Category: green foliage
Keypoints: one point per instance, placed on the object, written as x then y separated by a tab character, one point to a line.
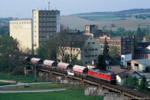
76	62
9	59
4	31
19	78
143	84
48	50
131	82
4	83
114	53
106	48
8	47
101	63
70	94
139	34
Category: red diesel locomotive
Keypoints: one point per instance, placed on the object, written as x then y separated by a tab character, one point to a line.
104	75
74	70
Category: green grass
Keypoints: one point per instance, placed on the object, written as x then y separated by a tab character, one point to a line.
71	94
25	79
4	83
48	86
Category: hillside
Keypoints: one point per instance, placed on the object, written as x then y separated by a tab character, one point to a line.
129	19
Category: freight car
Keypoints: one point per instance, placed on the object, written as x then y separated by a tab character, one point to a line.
73	70
49	63
36	61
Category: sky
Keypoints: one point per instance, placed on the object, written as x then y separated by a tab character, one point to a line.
23	8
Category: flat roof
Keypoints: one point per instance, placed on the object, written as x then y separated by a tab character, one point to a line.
22	19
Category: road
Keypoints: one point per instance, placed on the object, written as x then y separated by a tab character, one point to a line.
33	91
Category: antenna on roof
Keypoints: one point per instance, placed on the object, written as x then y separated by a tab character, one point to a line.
49	5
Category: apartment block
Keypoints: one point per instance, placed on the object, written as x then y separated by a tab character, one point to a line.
44	25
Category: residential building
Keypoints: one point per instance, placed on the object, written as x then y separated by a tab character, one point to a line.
138	65
82	47
122	74
44	25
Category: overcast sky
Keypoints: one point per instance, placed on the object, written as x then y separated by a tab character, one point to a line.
23	8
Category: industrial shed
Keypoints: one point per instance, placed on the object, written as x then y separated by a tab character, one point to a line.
140	65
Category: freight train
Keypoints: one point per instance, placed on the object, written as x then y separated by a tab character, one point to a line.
73	70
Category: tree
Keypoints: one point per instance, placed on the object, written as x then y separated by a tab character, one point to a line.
114	53
9	55
131	82
9	47
101	63
48	50
143	84
105	49
139	34
56	48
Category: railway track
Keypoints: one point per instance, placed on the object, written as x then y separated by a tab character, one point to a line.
116	88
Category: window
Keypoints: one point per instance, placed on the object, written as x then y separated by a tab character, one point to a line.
89	43
93	42
96	49
127	47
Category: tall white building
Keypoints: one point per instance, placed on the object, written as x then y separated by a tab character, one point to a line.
44	25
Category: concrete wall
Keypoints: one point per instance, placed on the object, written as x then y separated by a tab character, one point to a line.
22	31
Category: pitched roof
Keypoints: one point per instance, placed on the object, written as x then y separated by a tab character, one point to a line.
145	62
74	40
117	70
142	50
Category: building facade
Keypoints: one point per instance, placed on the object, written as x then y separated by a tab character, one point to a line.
83	48
124	45
44	25
92	30
143	50
138	65
22	31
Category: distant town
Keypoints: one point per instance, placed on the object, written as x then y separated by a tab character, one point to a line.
96	59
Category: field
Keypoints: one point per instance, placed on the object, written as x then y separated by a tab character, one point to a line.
103	17
71	94
103	21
